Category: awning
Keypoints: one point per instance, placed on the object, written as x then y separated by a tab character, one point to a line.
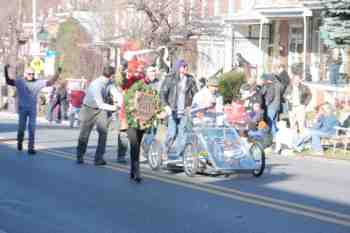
282	13
247	17
257	16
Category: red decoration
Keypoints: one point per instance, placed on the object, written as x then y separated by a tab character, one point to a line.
236	113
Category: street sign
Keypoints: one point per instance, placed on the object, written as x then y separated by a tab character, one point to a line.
50	59
37	65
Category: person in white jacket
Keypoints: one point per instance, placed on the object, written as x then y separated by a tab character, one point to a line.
207	105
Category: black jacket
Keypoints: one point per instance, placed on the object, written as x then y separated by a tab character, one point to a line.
272	94
305	95
168	91
284	79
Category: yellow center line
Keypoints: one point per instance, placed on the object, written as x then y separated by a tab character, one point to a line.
286	206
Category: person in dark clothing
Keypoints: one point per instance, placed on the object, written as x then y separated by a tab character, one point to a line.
50	101
272	99
60	101
334	62
297	96
128	79
135	130
202	83
284	79
251	93
28	89
176	95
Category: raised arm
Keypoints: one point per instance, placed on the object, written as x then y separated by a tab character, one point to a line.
9	81
54	78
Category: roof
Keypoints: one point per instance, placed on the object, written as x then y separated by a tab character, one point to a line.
286	12
246	17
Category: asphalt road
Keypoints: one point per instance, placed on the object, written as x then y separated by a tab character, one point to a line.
49	193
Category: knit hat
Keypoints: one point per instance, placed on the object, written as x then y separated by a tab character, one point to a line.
179	63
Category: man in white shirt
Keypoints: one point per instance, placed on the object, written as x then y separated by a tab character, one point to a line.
207	105
96	110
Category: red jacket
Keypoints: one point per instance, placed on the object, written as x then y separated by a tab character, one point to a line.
132	79
76	98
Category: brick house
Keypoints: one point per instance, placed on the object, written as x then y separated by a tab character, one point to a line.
265	32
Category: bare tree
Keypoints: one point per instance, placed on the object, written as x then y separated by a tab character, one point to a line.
165	21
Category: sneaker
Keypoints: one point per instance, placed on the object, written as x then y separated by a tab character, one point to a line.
19	146
31	152
100	162
138	180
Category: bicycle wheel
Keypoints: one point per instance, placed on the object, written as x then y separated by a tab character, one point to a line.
190	161
144	150
258	154
154	155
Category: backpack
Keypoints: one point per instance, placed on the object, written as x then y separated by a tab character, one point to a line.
106	93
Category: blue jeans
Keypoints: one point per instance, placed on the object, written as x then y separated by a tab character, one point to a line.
256	134
176	133
61	114
315	135
272	114
24	115
148	138
74	115
334	73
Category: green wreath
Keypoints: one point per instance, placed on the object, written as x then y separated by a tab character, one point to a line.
129	100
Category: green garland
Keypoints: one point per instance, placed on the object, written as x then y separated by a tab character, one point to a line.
129	100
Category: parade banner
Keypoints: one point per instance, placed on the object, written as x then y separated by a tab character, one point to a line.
145	106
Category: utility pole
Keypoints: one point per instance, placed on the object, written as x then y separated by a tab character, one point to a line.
35	44
16	29
35	37
15	25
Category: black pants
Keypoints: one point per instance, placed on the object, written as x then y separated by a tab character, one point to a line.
89	118
135	137
122	144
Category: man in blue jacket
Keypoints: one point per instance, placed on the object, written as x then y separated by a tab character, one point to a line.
28	89
323	127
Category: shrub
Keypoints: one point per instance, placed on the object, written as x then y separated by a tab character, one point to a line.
229	85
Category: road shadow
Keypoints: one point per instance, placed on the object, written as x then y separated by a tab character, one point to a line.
278	183
8	127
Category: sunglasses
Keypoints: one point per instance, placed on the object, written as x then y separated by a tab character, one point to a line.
30	73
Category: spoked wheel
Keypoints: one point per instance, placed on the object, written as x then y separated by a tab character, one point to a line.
190	161
154	155
258	154
144	150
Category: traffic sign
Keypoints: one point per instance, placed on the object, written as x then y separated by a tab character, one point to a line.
37	64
